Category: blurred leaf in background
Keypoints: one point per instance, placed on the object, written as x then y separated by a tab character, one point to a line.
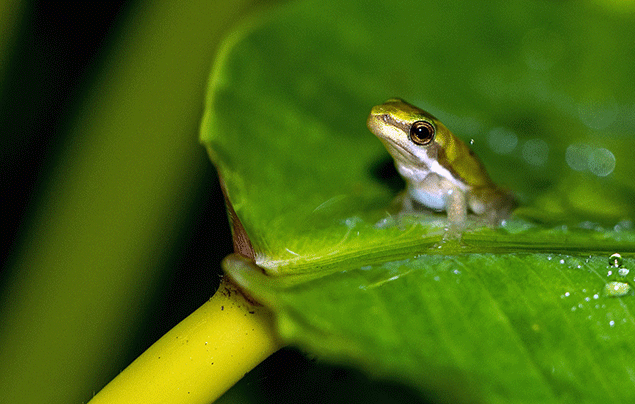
116	225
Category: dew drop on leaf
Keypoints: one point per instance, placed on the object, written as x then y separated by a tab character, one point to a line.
615	260
617	289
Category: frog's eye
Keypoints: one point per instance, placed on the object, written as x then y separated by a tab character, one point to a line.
422	133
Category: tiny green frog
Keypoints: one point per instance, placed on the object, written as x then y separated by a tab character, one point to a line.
441	172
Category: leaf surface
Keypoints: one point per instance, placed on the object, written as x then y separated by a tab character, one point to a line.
520	313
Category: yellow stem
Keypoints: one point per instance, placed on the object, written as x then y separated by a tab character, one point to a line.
200	358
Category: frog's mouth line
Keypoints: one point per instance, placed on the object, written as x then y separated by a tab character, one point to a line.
404	157
404	154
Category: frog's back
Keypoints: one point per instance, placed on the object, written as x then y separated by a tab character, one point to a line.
462	161
484	196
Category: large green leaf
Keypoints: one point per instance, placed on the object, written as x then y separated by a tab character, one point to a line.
519	313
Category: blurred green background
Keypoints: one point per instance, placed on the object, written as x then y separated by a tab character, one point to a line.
114	224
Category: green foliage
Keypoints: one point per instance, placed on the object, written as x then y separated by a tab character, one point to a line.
518	313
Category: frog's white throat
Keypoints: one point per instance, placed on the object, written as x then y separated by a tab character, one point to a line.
416	174
431	200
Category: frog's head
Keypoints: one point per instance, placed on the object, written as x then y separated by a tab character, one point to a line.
411	135
420	144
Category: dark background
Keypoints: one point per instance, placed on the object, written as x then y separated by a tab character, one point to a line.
58	50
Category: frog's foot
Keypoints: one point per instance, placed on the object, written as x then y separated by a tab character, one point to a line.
501	205
495	216
399	206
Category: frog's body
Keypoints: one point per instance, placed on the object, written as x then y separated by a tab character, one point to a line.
441	171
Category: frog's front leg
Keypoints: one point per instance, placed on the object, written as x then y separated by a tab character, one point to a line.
456	207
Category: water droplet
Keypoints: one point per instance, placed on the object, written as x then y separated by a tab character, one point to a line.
611	323
536	152
385	222
623	225
567	294
587	299
596	296
601	162
616	260
471	141
502	141
562	261
617	289
577	156
609	273
622	272
351	222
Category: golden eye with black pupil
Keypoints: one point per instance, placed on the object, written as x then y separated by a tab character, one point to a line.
422	133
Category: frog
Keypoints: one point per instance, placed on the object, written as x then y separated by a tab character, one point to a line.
441	172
